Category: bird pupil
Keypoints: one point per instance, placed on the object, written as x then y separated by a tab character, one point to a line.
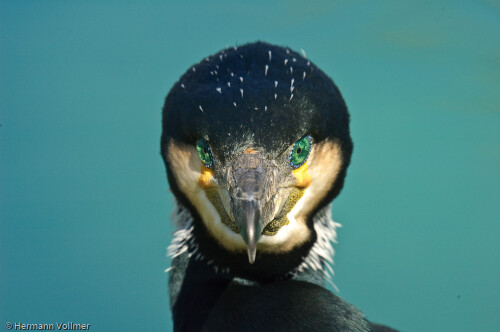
299	150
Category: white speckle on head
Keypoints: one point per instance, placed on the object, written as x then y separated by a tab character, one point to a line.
217	66
207	59
183	86
275	83
241	56
241	91
291	97
303	53
286	61
229	84
275	95
201	108
220	57
256	108
291	70
216	73
294	60
232	74
265	70
219	90
234	103
270	55
308	63
303	75
265	108
194	69
287	51
241	79
235	48
211	72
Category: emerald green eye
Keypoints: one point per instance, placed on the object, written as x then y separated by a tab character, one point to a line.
300	152
204	152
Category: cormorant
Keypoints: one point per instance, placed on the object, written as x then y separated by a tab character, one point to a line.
256	145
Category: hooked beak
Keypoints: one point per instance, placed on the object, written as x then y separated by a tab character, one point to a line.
249	187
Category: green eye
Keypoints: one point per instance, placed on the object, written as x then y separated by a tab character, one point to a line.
300	152
204	152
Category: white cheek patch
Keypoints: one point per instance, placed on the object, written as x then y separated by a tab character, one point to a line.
186	167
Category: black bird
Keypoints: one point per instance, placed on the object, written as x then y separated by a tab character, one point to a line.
256	145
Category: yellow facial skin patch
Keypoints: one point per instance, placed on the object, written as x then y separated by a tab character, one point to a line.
206	177
304	180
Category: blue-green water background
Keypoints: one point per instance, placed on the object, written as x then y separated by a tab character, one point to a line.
84	200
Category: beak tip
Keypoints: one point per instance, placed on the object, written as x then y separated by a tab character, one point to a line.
251	254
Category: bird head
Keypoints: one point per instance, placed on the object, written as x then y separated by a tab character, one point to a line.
255	142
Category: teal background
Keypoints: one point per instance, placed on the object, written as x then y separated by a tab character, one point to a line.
85	204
